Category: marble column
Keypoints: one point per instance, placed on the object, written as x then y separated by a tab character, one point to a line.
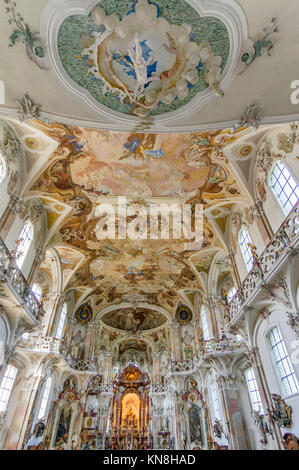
108	356
212	316
238	438
156	368
234	271
195	325
37	261
258	213
25	393
175	342
15	207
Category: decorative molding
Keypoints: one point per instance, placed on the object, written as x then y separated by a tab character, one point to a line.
152	126
250	118
293	321
34	47
27	108
261	45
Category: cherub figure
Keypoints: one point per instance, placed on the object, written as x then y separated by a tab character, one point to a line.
253	251
139	64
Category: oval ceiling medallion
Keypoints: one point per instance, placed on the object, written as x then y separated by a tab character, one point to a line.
135	58
129	319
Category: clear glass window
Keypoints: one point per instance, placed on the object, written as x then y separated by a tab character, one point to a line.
216	403
205	326
37	291
254	393
232	291
6	386
24	241
244	239
2	168
284	187
45	398
61	322
282	361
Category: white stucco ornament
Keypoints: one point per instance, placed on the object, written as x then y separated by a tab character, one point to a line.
130	58
146	60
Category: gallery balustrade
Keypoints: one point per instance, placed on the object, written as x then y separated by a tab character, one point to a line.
281	246
159	388
207	348
11	275
54	346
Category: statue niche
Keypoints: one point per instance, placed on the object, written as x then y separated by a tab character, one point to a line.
77	346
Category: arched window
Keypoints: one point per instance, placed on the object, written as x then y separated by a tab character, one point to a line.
45	398
6	386
253	390
37	291
205	325
2	168
216	402
232	291
244	239
284	187
283	365
24	241
61	321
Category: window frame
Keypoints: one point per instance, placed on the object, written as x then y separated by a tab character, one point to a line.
274	362
37	295
3	388
43	399
20	260
59	336
271	186
255	391
247	249
230	297
4	166
205	324
215	397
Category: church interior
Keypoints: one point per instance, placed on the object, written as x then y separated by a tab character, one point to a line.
124	339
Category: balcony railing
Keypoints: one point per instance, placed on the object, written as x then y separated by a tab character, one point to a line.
106	388
278	249
52	345
11	274
222	346
208	348
46	344
159	388
81	365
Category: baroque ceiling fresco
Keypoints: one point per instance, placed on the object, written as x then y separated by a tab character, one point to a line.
133	320
90	167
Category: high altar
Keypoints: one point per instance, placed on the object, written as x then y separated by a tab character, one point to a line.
130	411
